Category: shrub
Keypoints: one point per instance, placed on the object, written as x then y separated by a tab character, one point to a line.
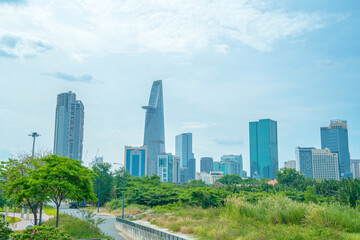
41	233
5	231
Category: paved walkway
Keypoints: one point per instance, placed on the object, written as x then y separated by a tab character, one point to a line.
24	223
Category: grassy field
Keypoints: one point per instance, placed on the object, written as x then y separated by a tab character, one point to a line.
49	210
270	218
77	228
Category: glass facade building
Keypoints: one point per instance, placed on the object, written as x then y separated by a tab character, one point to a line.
206	164
183	150
154	134
135	160
263	149
169	168
303	160
335	138
69	126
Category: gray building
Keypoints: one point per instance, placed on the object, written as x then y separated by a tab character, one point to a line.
303	157
263	149
183	150
154	134
335	138
290	164
325	164
69	126
206	164
355	168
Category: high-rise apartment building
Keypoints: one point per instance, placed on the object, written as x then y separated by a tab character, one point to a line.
355	168
335	138
183	150
69	126
154	135
233	164
136	160
206	164
325	164
169	168
303	156
263	148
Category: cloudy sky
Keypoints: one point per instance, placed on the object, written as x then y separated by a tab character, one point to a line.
223	64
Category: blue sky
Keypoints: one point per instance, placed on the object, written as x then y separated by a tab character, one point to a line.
223	64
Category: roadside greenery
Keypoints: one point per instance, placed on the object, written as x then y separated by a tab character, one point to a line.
41	233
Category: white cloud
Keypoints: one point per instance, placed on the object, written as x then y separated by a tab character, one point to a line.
97	27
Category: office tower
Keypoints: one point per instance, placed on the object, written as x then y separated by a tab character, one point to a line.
69	126
290	164
335	138
244	174
263	148
183	175
325	164
183	150
355	168
233	164
135	160
206	164
169	168
303	156
154	135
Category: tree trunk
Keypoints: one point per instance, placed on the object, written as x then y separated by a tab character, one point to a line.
57	214
35	217
41	207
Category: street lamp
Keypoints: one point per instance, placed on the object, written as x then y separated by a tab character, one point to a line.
123	189
34	135
98	194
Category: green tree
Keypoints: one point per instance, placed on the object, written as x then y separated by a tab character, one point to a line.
64	178
230	179
310	194
350	191
290	178
103	172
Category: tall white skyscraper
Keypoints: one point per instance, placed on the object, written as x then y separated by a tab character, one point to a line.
69	126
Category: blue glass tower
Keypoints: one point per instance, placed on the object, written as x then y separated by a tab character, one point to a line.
154	135
335	138
263	149
69	126
304	160
183	150
135	160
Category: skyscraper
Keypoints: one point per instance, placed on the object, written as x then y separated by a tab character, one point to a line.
183	150
154	135
169	168
335	138
303	160
325	164
135	160
69	126
206	164
355	168
263	148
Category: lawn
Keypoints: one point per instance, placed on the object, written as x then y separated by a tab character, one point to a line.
49	210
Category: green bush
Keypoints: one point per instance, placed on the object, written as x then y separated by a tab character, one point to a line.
41	233
5	231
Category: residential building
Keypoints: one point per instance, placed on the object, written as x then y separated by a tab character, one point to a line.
154	134
355	168
335	138
135	160
169	168
233	164
303	156
263	148
183	150
290	164
325	164
203	176
206	164
69	126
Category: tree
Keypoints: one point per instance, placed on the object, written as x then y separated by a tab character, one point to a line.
64	178
106	181
230	179
18	183
290	178
310	194
350	191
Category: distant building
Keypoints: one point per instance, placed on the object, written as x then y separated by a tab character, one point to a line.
335	138
215	176
183	150
290	164
97	160
209	178
154	135
355	168
169	168
325	164
244	174
233	164
184	175
135	160
206	164
303	157
263	148
69	126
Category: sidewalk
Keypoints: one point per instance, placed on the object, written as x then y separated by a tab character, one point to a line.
24	223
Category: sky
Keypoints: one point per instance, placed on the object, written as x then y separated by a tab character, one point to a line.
223	64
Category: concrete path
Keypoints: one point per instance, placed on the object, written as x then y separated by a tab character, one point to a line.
24	223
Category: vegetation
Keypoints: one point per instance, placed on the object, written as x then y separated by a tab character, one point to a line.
49	210
86	228
41	233
5	231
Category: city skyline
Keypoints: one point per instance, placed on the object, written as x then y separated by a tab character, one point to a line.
219	72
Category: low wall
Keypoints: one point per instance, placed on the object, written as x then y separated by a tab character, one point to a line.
140	232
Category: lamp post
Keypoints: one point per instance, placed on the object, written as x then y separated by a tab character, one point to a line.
123	205
34	135
99	195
